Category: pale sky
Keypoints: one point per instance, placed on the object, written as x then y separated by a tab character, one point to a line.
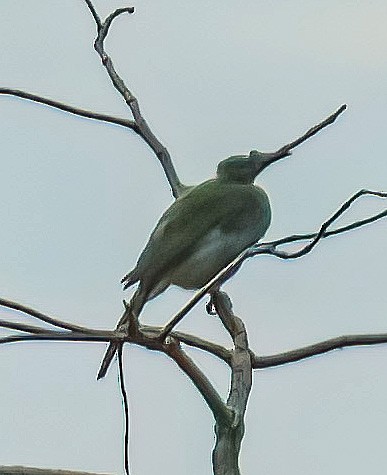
79	199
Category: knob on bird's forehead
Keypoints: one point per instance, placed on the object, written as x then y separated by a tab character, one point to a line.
254	160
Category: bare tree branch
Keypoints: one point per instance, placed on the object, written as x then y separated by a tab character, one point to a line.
322	232
229	436
193	341
94	13
149	339
229	417
41	316
200	380
262	362
305	237
94	335
142	127
78	333
130	124
285	150
22	327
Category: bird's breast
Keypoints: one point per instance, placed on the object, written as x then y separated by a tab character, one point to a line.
213	253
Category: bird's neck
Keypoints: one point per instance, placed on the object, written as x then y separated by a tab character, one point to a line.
233	180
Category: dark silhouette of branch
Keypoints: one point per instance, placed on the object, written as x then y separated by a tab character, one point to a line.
286	149
219	409
41	316
149	339
71	109
304	237
94	13
77	333
142	127
262	362
271	249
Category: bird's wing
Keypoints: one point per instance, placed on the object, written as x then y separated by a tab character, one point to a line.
187	222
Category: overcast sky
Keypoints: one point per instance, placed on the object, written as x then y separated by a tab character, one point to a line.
79	199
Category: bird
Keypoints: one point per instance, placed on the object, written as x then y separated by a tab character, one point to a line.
199	234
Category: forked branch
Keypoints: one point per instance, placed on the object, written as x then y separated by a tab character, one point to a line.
228	416
271	249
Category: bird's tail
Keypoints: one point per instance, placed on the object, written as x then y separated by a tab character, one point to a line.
113	346
128	280
107	359
132	310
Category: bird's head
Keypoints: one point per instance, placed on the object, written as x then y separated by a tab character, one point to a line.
243	168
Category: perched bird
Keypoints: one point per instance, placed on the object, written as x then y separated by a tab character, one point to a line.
200	233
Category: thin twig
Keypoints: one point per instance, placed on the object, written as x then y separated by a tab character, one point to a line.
109	20
22	327
304	237
285	150
143	128
322	232
41	316
94	14
61	336
130	124
262	362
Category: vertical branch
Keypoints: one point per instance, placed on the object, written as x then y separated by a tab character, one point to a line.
229	436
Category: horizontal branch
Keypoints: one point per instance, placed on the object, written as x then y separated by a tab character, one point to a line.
94	335
152	342
262	362
149	336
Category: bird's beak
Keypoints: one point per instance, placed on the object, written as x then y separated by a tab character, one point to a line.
263	160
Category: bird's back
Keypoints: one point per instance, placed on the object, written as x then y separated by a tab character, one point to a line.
200	233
